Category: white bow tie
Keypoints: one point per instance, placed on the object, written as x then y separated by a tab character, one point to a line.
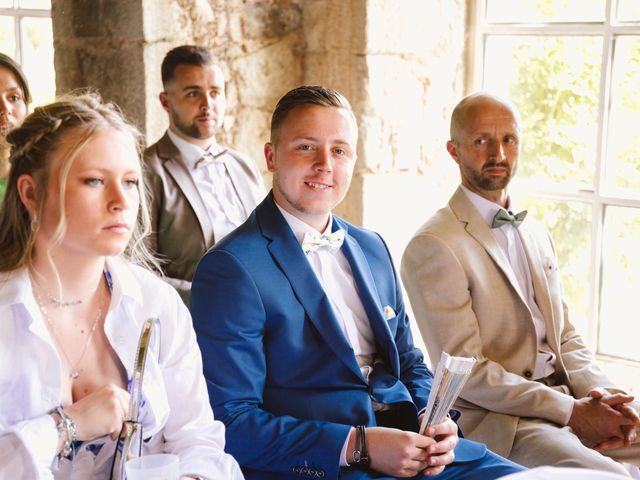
312	241
209	158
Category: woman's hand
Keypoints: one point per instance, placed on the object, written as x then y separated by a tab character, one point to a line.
100	413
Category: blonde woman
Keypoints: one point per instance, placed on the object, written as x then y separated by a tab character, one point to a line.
73	297
14	104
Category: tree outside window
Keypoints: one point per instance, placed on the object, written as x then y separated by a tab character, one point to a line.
572	67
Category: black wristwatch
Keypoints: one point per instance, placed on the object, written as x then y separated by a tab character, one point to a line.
360	454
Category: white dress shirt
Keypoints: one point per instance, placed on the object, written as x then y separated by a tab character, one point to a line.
511	244
175	412
336	278
334	274
214	185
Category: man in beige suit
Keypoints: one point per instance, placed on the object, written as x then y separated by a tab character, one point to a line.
200	190
484	283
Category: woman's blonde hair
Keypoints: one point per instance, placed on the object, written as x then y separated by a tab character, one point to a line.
69	123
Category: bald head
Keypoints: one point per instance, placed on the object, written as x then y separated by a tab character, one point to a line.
473	106
485	143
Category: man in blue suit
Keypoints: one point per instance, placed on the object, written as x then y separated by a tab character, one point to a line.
307	350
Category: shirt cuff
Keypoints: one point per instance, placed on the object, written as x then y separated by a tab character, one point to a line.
344	462
569	409
39	437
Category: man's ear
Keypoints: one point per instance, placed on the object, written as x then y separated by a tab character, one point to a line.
453	151
269	155
28	191
164	101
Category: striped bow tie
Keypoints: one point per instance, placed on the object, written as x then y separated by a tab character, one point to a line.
313	241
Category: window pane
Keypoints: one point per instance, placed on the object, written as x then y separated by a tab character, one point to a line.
623	161
554	82
37	56
570	226
628	10
7	36
500	11
6	4
619	327
39	4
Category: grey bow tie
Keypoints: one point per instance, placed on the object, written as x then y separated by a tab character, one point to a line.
209	158
503	216
313	241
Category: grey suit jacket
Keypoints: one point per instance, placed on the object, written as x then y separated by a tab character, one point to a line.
467	302
181	229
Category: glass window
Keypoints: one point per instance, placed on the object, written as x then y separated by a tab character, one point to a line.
37	55
37	4
7	35
620	283
555	82
26	35
623	146
628	10
530	11
572	68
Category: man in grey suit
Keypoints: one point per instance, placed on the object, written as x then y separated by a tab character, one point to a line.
484	282
200	190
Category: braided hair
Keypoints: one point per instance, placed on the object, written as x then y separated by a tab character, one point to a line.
69	123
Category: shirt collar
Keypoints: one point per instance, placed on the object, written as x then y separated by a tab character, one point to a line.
125	284
486	208
190	152
15	287
299	227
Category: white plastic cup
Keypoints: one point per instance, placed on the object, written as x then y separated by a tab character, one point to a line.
160	466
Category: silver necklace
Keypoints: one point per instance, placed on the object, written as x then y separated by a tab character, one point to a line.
74	372
62	303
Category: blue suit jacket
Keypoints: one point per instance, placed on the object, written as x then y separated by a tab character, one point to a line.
281	374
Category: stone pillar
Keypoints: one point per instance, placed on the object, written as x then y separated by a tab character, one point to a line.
100	44
401	64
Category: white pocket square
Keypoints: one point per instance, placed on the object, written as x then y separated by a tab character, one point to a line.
389	313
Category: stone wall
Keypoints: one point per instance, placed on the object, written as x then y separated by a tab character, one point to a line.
400	62
99	44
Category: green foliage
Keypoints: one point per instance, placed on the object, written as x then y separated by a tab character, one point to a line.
556	92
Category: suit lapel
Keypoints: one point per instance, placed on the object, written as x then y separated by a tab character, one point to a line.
478	229
287	253
172	161
540	286
368	293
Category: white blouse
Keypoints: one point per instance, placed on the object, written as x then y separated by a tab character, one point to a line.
176	414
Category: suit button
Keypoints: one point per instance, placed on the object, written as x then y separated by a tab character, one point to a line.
528	373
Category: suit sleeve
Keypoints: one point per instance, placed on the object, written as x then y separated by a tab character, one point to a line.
230	321
439	291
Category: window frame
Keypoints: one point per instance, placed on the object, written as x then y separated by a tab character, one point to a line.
609	29
18	13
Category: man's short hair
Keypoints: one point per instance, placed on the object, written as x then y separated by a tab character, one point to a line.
185	55
306	95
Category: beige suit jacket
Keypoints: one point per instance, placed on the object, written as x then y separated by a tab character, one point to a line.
181	229
467	302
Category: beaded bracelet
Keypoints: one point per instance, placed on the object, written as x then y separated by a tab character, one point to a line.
65	427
